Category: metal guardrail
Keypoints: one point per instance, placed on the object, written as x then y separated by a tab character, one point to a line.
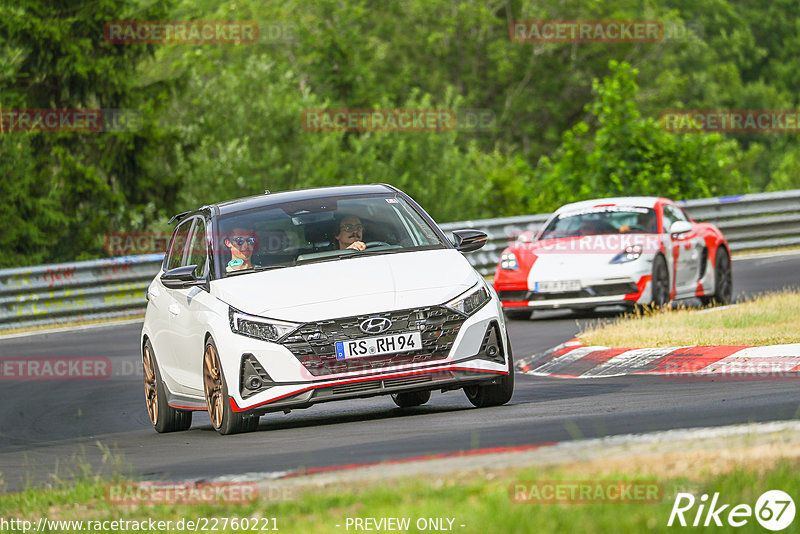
79	291
67	292
758	220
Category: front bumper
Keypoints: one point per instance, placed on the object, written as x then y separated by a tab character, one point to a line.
294	380
594	293
449	377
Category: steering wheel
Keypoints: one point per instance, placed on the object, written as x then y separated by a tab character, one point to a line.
373	244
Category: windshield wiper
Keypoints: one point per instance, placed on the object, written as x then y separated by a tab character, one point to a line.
278	266
335	257
259	268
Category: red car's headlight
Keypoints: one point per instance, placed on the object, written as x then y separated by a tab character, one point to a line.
631	253
508	261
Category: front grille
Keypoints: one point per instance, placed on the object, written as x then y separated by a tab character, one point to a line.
513	296
358	387
402	381
313	343
598	290
407	380
611	289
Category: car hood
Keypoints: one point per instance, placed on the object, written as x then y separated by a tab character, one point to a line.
582	257
353	286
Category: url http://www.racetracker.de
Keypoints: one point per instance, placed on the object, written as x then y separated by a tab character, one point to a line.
201	524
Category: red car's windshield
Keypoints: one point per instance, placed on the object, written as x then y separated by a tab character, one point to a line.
601	220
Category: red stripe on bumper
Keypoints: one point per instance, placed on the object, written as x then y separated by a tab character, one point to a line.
235	407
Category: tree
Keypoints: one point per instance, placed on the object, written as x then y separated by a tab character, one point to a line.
83	184
630	155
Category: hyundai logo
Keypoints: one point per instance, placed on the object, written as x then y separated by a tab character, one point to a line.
375	325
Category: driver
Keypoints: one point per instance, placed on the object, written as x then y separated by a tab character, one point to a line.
242	244
644	223
349	233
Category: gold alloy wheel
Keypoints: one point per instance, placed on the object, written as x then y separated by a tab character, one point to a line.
150	388
212	383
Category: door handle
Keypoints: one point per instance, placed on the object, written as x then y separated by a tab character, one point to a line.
174	309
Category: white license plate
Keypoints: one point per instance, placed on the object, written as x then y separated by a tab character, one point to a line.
375	346
557	286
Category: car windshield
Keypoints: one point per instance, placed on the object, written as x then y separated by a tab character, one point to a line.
320	229
601	220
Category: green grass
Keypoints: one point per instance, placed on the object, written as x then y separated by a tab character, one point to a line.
480	502
768	319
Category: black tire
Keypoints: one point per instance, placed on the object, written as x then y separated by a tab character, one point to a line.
659	283
223	418
517	315
164	417
723	280
494	394
411	398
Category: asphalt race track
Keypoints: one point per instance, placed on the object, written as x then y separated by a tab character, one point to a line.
50	428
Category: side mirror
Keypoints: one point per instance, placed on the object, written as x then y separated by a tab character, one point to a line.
182	277
469	240
680	227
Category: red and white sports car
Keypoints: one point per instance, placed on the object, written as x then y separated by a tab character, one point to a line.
614	251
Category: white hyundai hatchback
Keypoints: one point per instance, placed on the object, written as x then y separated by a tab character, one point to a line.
279	301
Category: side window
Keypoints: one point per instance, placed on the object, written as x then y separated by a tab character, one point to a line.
678	214
668	219
198	251
672	214
178	245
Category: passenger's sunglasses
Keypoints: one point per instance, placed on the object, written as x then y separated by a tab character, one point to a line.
242	240
352	227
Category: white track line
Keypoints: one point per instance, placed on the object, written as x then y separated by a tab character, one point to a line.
72	328
570	356
621	364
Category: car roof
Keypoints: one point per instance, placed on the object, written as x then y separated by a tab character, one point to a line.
636	202
270	199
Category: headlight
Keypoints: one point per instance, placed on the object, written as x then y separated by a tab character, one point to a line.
471	301
259	327
631	252
508	261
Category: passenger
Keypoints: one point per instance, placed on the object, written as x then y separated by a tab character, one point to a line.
349	233
242	243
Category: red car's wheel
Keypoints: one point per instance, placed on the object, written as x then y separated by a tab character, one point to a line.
723	280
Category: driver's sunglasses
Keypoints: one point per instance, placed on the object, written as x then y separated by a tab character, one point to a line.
241	240
352	227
